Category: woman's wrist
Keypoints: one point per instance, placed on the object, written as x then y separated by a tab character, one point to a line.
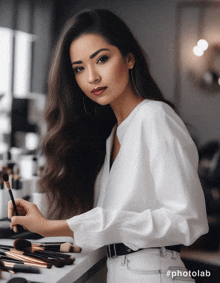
56	228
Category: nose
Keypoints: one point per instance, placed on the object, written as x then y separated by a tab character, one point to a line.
94	76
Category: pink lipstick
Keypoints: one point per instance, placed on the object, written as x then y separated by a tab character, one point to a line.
98	91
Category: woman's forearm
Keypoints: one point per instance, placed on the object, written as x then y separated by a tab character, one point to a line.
56	228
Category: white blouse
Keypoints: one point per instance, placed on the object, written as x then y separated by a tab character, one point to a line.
151	196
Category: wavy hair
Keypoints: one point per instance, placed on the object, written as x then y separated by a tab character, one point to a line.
74	145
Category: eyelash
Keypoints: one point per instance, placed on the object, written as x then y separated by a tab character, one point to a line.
101	60
78	69
105	57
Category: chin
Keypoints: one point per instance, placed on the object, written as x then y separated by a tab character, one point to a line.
102	102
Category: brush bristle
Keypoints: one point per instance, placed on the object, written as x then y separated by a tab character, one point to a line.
1	263
21	244
5	177
76	249
69	261
59	263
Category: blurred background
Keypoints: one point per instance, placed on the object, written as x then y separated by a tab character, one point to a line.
182	40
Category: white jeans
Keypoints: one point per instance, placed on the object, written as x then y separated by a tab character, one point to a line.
149	265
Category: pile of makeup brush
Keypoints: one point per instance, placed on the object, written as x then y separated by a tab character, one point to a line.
28	257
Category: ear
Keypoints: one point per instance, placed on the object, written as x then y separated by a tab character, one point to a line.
130	60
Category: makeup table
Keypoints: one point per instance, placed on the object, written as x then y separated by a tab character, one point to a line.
87	266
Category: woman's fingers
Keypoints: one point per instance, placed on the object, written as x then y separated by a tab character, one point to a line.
18	220
22	207
28	216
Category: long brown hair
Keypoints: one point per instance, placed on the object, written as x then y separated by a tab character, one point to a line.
74	145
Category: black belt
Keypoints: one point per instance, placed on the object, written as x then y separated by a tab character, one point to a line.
120	249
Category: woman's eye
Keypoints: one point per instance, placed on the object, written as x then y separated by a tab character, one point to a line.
102	59
78	69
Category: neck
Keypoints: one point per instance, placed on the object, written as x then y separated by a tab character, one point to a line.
125	105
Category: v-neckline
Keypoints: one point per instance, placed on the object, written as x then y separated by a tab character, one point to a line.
112	150
118	130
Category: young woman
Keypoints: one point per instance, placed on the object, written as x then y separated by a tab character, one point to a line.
121	166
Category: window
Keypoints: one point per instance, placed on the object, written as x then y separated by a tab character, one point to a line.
15	73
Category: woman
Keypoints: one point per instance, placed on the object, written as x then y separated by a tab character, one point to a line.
147	196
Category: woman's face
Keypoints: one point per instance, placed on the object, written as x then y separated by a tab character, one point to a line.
100	70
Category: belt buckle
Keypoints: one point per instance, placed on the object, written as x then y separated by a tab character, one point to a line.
109	251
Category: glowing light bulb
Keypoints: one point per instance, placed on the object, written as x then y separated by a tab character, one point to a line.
202	43
198	51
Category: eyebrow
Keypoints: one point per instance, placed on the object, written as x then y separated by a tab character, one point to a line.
93	55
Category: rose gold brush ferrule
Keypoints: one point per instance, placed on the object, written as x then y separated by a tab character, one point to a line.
8	185
28	263
25	257
11	264
36	248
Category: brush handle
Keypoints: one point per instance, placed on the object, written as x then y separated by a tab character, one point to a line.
13	201
38	256
20	228
22	268
55	248
29	259
8	259
6	247
52	254
48	243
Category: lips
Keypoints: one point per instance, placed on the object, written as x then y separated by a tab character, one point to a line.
98	90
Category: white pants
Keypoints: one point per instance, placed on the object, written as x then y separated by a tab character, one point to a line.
149	265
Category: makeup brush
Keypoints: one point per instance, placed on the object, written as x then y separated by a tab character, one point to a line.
62	247
22	244
66	260
20	252
3	268
16	267
6	180
6	246
21	280
8	259
58	261
49	243
16	255
25	252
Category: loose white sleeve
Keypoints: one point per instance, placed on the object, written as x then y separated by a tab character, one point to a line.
179	218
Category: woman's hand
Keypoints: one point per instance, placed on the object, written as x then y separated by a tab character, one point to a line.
31	219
